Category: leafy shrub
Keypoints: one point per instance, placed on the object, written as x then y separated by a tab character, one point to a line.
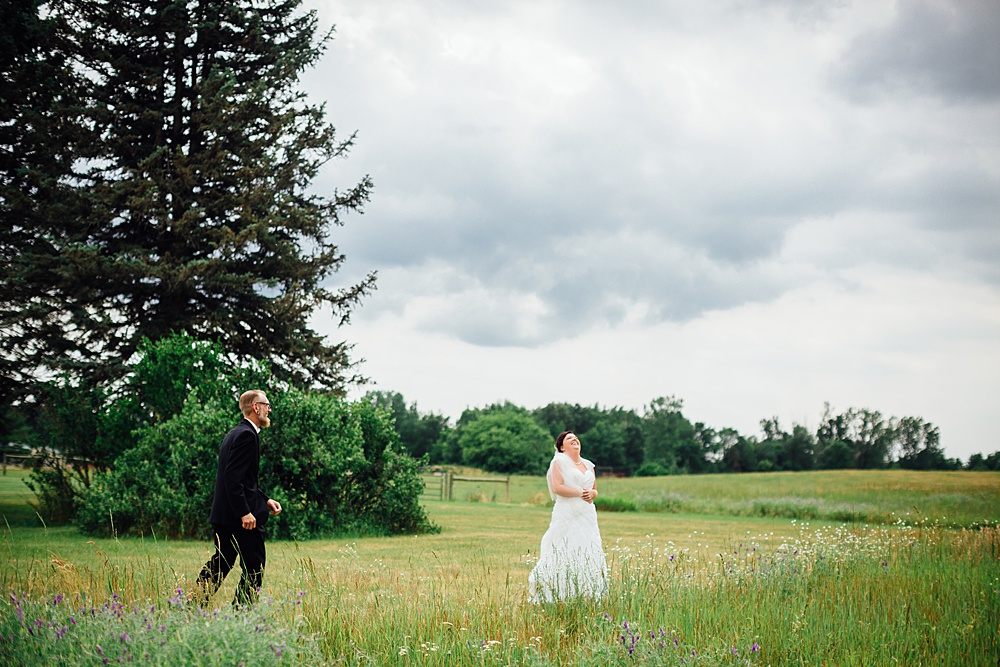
337	469
615	504
164	484
85	429
651	470
334	466
160	382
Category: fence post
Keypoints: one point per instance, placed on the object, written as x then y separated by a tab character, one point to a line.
449	476
507	494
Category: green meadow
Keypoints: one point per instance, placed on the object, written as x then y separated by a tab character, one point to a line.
705	570
957	499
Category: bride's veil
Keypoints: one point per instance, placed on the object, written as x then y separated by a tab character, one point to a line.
565	467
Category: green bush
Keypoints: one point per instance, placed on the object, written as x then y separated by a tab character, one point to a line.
335	467
160	382
615	504
651	470
164	484
86	429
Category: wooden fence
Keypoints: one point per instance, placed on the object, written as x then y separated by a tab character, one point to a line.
440	485
23	460
17	460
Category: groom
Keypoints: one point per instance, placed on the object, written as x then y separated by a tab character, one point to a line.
239	508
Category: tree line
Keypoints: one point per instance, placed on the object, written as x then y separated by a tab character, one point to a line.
660	440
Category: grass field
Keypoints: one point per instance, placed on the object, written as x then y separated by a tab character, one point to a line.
713	589
874	496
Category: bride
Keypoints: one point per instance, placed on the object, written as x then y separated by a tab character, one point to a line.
571	562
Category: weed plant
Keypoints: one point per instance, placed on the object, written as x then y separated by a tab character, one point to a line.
78	631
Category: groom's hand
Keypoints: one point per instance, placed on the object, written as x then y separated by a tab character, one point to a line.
249	521
274	507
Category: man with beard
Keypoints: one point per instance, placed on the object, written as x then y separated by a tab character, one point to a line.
239	508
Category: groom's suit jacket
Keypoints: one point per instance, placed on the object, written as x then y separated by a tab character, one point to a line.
236	486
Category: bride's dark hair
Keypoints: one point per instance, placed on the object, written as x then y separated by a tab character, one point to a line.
559	440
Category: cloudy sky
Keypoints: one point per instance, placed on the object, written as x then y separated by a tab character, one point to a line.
757	206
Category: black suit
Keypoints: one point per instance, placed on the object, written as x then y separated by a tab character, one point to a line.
236	495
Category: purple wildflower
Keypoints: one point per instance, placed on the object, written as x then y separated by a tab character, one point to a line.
57	600
755	647
17	607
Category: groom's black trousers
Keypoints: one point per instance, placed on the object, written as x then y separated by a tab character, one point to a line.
231	543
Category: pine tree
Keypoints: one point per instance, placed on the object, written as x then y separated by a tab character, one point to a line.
192	165
40	135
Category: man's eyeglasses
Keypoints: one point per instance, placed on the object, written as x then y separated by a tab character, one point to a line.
267	405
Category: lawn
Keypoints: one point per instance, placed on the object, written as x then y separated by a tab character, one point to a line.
713	590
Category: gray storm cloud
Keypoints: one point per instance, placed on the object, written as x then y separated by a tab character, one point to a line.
548	168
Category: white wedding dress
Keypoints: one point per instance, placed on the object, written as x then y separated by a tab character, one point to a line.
571	562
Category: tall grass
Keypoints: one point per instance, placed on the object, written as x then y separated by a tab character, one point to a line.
809	595
702	589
